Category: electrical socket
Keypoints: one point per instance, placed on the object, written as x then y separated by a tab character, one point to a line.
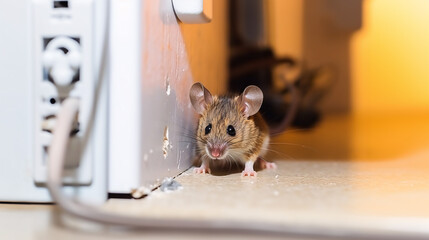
63	67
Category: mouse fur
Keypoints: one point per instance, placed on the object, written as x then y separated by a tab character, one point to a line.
219	115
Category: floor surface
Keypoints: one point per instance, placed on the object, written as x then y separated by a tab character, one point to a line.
349	177
365	197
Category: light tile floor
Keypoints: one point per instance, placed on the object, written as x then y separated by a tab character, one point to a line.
360	196
350	174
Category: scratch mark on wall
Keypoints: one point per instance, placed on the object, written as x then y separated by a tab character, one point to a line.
165	143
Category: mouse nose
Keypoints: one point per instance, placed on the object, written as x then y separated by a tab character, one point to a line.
216	150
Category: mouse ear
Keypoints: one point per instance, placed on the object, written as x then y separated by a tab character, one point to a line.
200	97
251	100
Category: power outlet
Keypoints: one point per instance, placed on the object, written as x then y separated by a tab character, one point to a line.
64	67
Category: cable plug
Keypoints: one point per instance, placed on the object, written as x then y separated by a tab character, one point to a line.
62	59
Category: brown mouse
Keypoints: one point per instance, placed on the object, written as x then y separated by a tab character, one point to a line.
230	127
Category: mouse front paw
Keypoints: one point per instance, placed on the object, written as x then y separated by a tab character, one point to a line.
249	173
201	170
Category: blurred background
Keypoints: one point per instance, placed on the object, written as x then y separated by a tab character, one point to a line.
358	68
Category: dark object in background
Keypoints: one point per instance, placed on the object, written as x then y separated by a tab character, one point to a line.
254	66
252	62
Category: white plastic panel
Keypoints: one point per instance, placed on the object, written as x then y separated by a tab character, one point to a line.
62	53
125	95
193	11
150	112
17	142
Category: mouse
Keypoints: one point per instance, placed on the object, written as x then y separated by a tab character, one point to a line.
230	127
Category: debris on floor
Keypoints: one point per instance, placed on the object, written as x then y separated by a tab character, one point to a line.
140	192
169	184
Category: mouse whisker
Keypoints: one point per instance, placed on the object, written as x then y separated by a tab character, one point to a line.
294	144
230	163
188	136
190	142
237	162
281	154
185	131
195	138
232	160
291	131
241	141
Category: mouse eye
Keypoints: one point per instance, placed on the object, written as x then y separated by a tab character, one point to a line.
231	130
208	128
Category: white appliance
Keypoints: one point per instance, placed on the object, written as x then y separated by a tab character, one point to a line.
132	91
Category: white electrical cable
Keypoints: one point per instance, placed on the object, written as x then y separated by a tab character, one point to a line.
56	161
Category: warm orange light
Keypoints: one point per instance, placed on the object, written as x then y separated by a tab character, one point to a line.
390	57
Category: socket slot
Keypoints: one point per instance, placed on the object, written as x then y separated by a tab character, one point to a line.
61	4
48	124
